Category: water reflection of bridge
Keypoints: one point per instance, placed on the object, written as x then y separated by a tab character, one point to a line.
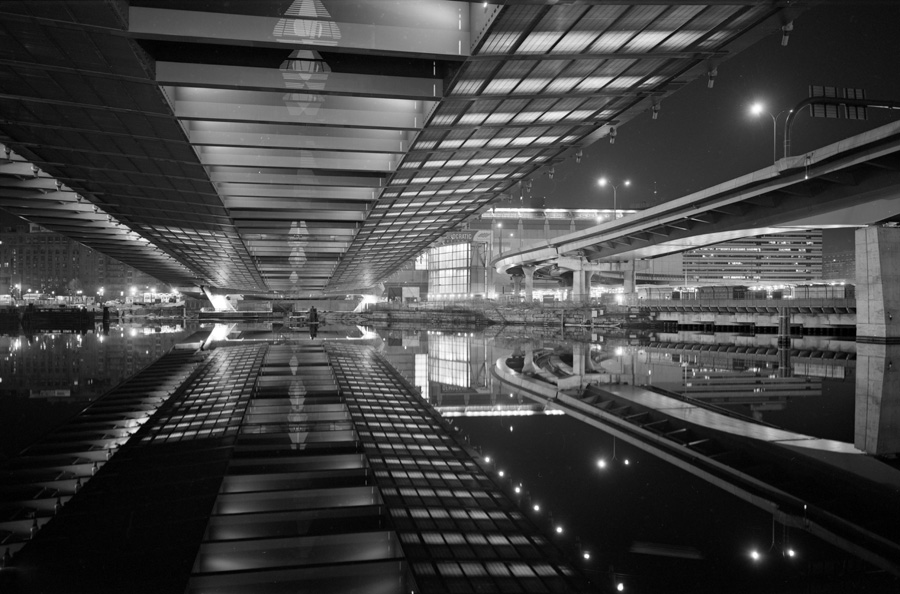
830	489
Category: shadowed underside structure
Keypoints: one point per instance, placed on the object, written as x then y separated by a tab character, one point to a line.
314	146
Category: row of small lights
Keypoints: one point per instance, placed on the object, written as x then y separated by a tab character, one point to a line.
536	507
603	464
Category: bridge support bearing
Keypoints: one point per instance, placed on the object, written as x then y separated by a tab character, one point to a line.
877	399
878	285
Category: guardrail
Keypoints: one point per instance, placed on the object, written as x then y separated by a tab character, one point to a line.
842	303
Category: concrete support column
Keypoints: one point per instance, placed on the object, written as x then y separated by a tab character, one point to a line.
529	283
877	419
517	285
577	286
878	285
630	272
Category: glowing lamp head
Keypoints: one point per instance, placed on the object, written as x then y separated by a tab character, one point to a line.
757	108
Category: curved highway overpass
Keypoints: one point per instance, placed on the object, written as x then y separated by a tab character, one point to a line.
851	183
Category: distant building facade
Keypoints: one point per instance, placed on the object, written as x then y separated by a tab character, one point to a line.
794	257
458	266
40	261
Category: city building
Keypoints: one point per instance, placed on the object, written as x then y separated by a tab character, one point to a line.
35	260
458	265
794	257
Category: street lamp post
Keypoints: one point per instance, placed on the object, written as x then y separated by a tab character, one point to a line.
757	109
602	182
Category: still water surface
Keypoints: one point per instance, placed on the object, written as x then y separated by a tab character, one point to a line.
639	520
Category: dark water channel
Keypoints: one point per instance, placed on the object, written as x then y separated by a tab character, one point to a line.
629	515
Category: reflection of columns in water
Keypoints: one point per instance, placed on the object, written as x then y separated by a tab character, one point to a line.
784	341
528	365
579	354
784	326
784	359
877	420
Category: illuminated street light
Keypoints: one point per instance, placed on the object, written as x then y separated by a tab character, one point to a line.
603	182
758	109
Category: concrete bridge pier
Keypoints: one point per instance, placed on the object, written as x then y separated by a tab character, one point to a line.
630	276
581	286
517	285
878	285
529	282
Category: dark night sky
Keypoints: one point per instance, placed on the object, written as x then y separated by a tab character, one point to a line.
706	136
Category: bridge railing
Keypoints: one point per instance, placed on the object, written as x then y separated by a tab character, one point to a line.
835	302
607	305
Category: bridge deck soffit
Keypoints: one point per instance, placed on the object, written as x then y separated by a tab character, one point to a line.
322	147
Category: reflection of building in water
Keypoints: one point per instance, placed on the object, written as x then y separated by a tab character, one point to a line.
353	486
87	366
451	370
754	379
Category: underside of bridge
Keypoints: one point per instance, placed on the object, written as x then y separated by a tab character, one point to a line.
315	146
